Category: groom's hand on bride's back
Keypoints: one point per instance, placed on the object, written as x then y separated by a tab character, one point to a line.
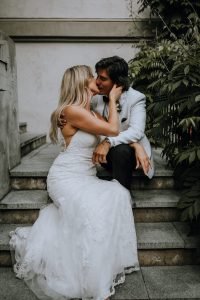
61	121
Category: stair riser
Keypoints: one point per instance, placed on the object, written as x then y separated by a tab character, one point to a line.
32	145
157	257
28	216
23	216
168	257
28	183
153	215
154	183
32	183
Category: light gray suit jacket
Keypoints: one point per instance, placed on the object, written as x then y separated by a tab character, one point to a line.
133	120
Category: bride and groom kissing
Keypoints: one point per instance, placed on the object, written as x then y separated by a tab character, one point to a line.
84	242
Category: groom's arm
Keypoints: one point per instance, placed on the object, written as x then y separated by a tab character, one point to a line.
135	131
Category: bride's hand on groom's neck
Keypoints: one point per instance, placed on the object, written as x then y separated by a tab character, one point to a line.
61	122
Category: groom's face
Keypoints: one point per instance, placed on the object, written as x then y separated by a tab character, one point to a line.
104	82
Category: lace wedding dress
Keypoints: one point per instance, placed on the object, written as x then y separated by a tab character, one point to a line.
83	243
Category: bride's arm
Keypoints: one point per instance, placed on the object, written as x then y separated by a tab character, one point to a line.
82	119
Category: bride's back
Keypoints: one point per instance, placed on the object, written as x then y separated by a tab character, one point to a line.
68	132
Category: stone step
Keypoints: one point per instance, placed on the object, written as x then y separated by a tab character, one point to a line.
34	167
22	127
158	244
154	283
31	141
149	206
156	205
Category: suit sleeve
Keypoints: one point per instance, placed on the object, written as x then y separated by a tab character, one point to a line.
136	128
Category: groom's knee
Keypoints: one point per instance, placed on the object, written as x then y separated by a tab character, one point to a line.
122	153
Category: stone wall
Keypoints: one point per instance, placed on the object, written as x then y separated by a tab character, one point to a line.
9	133
51	35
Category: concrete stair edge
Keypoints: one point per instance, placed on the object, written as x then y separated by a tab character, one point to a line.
149	283
25	199
28	137
150	236
31	141
51	151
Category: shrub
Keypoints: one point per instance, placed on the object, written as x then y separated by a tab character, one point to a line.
167	70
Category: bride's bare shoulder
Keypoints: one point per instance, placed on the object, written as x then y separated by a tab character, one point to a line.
72	109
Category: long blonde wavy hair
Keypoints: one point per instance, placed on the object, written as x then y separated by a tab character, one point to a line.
74	91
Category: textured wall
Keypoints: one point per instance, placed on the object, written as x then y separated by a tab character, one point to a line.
40	68
41	62
67	9
9	133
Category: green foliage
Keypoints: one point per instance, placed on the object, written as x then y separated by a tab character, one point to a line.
167	71
189	180
175	14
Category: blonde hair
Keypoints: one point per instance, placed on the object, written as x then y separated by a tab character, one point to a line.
74	91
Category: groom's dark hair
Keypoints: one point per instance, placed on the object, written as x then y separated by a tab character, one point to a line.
117	69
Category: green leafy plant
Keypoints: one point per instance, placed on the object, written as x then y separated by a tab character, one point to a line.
167	70
173	14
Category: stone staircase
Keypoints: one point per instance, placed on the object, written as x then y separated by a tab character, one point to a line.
163	243
29	141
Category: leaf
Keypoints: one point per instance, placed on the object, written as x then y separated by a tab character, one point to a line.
197	207
182	157
191	213
192	157
186	82
175	85
198	154
186	69
197	98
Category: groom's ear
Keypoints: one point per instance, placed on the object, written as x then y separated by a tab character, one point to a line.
120	85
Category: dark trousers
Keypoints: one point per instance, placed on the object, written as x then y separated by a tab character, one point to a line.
121	162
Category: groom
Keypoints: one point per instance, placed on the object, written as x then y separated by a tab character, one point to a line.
114	153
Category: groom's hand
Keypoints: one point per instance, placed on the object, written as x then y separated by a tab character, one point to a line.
61	122
100	152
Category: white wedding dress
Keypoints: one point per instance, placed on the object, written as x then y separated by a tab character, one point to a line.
83	243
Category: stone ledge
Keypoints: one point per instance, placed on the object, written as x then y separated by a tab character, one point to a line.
26	138
150	236
23	206
78	30
38	162
158	236
29	142
33	199
24	200
155	198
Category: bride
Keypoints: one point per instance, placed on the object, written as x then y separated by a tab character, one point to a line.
84	242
